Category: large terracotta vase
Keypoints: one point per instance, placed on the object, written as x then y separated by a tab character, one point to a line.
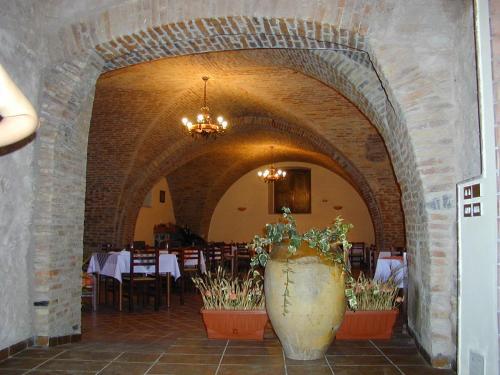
315	300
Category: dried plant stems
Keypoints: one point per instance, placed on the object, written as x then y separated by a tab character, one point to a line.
220	291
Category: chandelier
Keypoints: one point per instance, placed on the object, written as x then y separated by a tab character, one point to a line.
272	173
204	125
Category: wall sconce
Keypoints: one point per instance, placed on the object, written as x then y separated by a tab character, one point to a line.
337	208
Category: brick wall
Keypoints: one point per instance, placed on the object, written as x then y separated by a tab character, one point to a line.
414	57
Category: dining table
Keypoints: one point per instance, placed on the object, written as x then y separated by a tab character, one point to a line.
115	264
389	265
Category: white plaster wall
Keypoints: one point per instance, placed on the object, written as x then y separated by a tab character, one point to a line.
156	214
21	55
230	224
477	236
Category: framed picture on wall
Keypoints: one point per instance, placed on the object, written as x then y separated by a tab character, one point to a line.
294	191
162	196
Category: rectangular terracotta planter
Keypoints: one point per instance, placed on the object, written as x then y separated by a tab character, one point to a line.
367	325
235	324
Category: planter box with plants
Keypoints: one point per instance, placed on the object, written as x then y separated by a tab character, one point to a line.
376	312
233	308
306	283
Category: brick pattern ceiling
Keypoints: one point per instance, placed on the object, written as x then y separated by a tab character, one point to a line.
136	138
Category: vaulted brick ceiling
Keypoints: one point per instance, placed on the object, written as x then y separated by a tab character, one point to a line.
136	137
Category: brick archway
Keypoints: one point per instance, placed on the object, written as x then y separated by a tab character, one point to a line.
89	48
307	139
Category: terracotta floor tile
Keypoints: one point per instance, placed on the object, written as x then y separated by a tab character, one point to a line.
316	362
309	370
254	351
400	351
352	343
357	360
208	359
255	344
195	350
415	359
88	355
121	368
70	364
20	363
251	370
366	370
260	360
61	372
352	350
38	353
138	357
424	370
178	335
176	369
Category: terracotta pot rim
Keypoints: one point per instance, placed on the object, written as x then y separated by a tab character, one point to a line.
391	311
214	311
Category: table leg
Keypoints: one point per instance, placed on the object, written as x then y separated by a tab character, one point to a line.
94	292
120	296
168	289
98	289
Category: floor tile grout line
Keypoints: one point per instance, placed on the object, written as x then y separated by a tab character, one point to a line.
329	365
386	357
284	361
222	357
53	357
114	359
155	362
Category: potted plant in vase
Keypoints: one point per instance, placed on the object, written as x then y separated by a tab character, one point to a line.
233	308
306	283
377	310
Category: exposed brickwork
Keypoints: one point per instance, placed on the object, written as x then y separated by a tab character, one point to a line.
417	128
335	117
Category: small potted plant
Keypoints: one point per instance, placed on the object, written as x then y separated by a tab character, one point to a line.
377	310
233	308
307	283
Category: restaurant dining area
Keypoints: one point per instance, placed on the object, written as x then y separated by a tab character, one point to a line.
248	187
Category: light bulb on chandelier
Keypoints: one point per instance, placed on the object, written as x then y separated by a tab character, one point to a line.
272	174
204	125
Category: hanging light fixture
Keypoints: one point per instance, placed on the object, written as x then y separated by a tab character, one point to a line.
204	125
272	173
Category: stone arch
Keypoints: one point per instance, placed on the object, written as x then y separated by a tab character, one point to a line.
420	198
135	194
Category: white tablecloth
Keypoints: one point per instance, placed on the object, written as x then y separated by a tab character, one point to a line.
387	266
118	263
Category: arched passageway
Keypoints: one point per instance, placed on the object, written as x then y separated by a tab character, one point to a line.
414	124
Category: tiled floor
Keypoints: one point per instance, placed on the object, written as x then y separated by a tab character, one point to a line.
174	342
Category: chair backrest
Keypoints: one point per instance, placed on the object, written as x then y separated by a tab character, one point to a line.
357	248
144	258
242	251
214	252
227	250
140	245
189	258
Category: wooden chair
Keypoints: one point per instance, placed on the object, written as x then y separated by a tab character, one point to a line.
213	255
143	258
357	252
372	259
242	257
189	265
228	257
